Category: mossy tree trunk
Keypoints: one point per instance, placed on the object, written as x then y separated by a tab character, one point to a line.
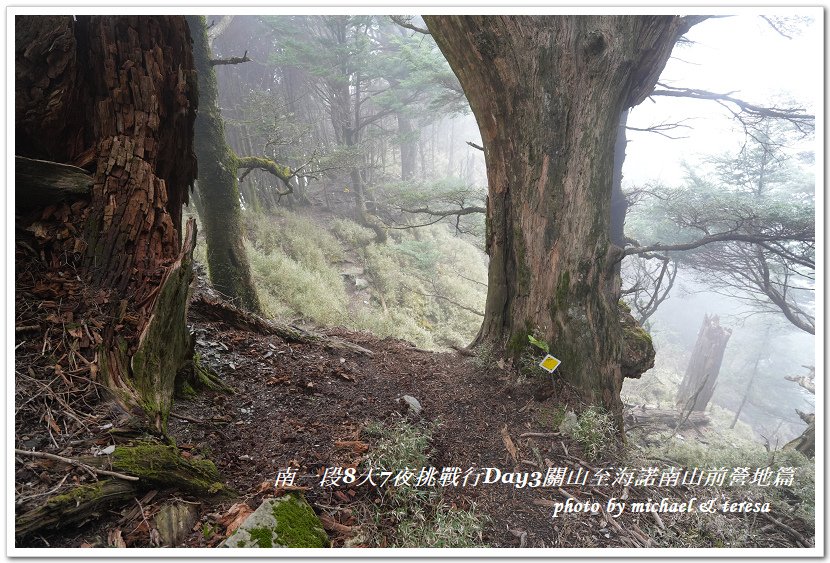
218	186
117	96
548	92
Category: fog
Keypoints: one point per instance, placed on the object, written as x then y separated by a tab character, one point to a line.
742	55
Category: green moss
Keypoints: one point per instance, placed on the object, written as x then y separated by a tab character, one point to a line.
297	525
262	537
638	333
624	306
519	342
282	172
78	495
208	530
164	348
522	270
164	466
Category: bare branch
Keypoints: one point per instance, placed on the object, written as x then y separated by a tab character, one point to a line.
728	236
446	213
661	129
406	21
214	30
475	146
794	115
775	27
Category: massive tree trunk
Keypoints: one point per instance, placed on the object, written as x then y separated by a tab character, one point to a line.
698	383
116	96
218	186
106	105
548	92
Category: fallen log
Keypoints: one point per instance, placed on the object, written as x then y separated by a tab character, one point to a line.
80	505
665	417
155	465
218	310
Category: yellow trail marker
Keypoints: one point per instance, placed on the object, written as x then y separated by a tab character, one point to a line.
549	363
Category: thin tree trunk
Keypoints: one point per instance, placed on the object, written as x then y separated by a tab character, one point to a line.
227	261
764	343
408	146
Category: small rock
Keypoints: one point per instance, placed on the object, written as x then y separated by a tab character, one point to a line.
568	423
361	283
413	403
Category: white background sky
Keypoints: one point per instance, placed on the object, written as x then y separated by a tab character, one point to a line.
741	53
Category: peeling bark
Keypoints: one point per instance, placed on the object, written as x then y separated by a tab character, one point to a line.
118	98
701	376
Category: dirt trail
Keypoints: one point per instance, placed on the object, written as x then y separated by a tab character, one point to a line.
304	406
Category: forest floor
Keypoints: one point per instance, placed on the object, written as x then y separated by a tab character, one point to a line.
306	406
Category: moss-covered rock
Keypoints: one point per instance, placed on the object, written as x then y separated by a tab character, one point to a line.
287	521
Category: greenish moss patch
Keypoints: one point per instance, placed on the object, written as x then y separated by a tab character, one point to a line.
164	466
297	525
287	521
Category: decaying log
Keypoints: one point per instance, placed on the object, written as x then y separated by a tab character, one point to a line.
155	465
38	183
216	309
81	504
665	417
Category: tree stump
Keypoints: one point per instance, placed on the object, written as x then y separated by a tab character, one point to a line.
701	376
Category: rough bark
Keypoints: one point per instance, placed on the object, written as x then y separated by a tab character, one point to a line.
126	86
701	376
547	92
228	265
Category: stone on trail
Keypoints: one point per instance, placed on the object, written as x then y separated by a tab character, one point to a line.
287	521
413	403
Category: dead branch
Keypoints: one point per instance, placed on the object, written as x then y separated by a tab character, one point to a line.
39	183
214	30
475	146
794	115
727	236
216	309
231	61
406	21
797	535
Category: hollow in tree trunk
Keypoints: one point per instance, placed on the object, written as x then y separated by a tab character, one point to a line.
701	376
548	92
